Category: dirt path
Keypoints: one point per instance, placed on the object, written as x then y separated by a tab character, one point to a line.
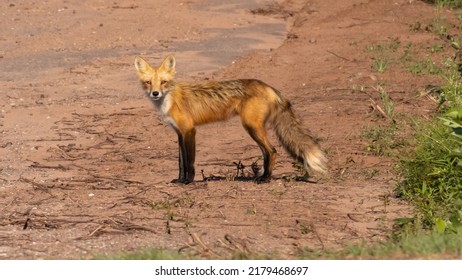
85	160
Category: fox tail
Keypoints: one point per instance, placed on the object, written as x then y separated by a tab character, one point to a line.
295	139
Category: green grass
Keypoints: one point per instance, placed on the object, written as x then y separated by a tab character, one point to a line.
382	54
420	245
432	172
148	254
382	139
447	3
386	55
433	245
432	175
381	62
424	67
188	253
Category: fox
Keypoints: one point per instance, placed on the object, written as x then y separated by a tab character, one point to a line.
185	105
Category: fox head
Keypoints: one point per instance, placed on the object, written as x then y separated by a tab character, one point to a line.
156	81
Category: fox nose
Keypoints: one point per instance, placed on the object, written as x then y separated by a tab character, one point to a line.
154	94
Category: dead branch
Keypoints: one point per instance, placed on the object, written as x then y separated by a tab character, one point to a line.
199	246
39	165
377	108
339	56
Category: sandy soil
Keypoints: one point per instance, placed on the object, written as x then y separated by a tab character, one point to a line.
86	161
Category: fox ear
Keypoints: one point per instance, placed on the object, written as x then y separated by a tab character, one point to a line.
142	66
169	64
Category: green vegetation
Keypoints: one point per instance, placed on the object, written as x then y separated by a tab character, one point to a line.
385	55
432	173
447	3
382	139
418	245
382	54
148	254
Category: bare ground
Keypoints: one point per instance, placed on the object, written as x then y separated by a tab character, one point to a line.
86	162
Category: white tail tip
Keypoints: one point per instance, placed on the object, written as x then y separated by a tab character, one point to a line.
316	161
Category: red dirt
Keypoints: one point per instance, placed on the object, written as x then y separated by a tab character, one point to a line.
86	161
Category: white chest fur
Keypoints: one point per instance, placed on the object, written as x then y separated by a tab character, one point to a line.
163	105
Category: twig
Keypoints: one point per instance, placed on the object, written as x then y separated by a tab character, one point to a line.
38	165
197	241
339	56
240	167
125	7
349	215
65	155
116	179
376	106
96	230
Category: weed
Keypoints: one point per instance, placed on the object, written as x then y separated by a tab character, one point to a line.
456	42
369	173
278	193
148	254
169	205
386	102
382	140
383	53
251	211
415	26
304	227
436	48
360	88
353	43
386	54
452	90
381	63
380	57
407	54
439	26
424	67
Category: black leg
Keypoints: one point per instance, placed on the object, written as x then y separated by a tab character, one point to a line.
190	147
187	155
181	160
268	151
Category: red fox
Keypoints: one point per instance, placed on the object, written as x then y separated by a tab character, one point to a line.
187	105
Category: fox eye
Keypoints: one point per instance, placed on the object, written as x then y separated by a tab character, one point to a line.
148	82
163	82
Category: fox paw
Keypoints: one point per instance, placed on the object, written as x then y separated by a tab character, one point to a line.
181	181
263	179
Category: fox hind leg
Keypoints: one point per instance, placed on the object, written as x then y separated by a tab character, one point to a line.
254	115
269	153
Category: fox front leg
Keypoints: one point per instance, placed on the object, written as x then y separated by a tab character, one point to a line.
187	155
182	178
190	146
